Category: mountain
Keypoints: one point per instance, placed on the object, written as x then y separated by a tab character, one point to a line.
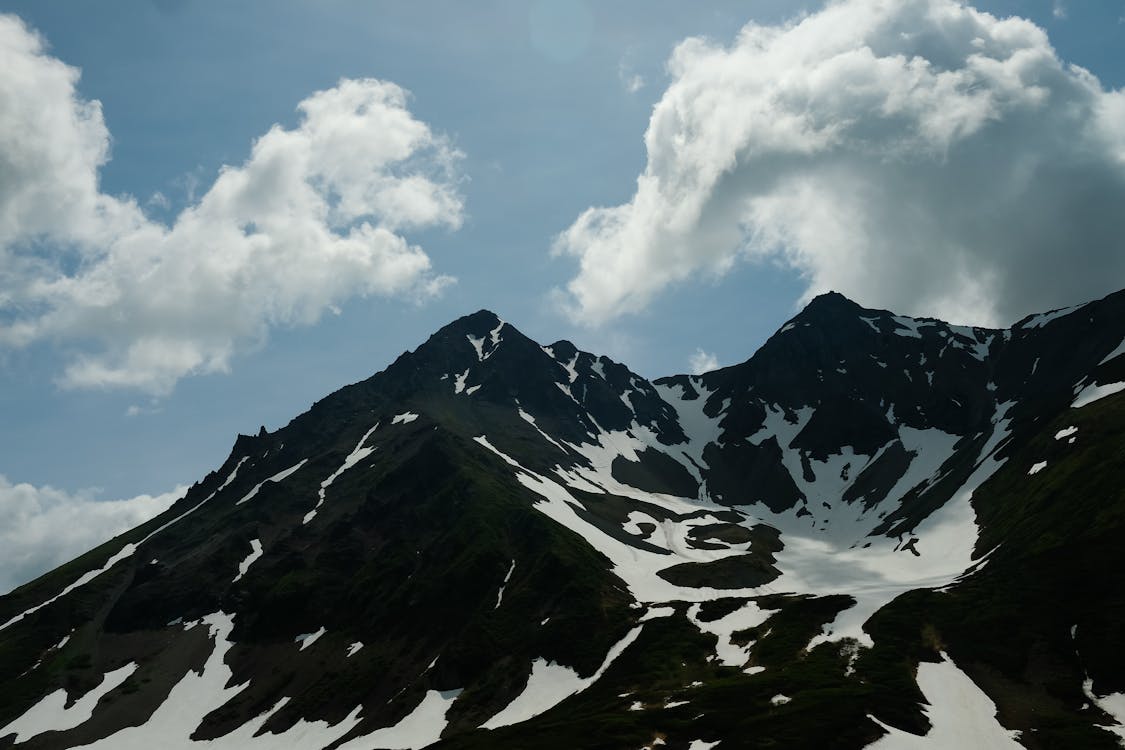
877	531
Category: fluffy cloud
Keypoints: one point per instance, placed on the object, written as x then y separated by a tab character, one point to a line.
44	527
701	362
316	215
919	155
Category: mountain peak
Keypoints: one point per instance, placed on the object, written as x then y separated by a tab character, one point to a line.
831	304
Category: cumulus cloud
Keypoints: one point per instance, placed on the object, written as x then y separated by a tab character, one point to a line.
918	155
316	215
45	527
701	362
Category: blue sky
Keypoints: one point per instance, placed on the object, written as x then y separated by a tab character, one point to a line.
544	107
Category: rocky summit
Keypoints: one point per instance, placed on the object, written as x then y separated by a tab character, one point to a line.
878	531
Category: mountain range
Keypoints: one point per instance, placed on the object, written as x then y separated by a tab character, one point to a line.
878	531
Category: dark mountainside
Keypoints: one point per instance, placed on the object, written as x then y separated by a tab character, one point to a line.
496	544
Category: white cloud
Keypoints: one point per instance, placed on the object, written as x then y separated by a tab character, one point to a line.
45	527
918	155
631	81
701	362
316	215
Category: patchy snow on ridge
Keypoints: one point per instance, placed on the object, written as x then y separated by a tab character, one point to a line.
1042	319
278	477
85	578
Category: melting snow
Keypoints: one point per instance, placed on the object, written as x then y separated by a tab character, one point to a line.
500	593
279	476
1038	321
908	327
404	418
199	693
656	613
421	727
308	639
1092	393
701	745
478	344
358	454
961	715
85	578
354	648
748	616
459	382
52	714
1113	704
531	421
1037	467
126	551
780	700
1115	353
1066	433
550	683
255	553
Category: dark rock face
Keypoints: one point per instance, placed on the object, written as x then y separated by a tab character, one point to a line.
512	545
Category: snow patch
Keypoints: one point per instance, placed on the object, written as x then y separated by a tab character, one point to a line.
549	684
1092	393
255	553
1115	353
750	615
1037	468
531	421
1065	433
507	577
308	639
199	693
405	418
459	381
961	715
1113	704
51	714
358	454
278	477
1042	319
421	727
354	648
